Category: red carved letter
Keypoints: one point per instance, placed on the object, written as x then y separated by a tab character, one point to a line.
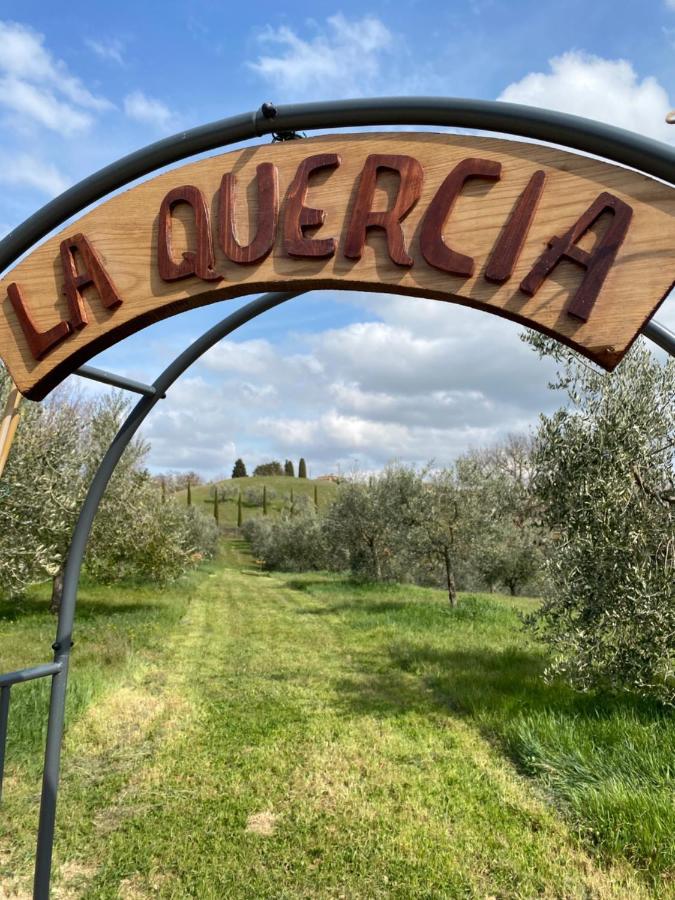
298	216
200	262
597	263
39	342
268	214
93	273
434	249
507	249
364	217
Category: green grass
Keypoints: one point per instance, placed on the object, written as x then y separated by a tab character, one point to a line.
300	736
202	498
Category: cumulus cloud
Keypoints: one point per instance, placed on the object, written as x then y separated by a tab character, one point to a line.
24	170
39	88
149	111
603	89
418	380
344	58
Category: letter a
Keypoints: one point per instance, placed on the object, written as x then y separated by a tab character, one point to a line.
597	263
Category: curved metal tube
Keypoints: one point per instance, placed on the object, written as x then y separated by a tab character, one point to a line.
652	157
63	643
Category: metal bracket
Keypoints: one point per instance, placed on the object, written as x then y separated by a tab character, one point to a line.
127	384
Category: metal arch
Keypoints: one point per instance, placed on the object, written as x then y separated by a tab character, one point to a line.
624	147
63	644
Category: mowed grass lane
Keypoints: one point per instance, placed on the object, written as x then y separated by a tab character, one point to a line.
303	737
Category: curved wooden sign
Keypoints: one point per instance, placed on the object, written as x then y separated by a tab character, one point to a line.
577	248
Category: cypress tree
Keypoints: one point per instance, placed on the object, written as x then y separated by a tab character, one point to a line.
240	511
163	489
239	470
216	511
189	493
316	496
302	468
288	469
264	500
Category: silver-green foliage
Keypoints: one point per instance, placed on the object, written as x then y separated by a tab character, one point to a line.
604	468
287	544
57	449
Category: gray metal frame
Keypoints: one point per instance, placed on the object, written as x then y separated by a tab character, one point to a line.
651	157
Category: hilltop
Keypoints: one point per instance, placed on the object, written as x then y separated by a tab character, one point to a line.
278	495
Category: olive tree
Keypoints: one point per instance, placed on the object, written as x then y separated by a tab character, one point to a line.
40	489
603	472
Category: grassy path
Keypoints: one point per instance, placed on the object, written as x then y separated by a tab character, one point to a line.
294	738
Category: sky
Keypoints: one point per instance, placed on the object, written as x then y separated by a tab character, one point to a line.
345	380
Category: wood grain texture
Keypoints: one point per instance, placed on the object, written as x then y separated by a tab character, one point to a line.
510	243
199	262
125	234
8	425
260	246
298	217
432	244
364	217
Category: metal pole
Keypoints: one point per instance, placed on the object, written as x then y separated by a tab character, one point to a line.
4	716
661	335
63	643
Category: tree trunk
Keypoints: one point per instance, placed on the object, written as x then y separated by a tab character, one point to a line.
452	590
376	561
57	592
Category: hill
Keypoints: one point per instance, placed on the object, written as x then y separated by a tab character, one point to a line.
278	495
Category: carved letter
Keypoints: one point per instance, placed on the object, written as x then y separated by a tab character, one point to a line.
597	263
39	342
434	249
268	215
298	216
200	262
364	217
93	273
507	250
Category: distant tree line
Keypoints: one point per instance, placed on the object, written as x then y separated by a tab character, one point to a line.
273	467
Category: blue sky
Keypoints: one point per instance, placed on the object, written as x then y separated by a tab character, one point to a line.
341	379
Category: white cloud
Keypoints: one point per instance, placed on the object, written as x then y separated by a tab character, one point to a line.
426	382
344	58
603	89
670	4
24	170
38	87
107	50
42	106
141	108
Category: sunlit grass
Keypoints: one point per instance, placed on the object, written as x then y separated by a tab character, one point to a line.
248	734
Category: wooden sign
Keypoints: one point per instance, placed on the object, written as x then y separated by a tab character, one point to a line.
577	248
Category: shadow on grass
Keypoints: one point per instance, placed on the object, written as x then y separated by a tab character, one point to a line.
363	607
489	686
87	609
